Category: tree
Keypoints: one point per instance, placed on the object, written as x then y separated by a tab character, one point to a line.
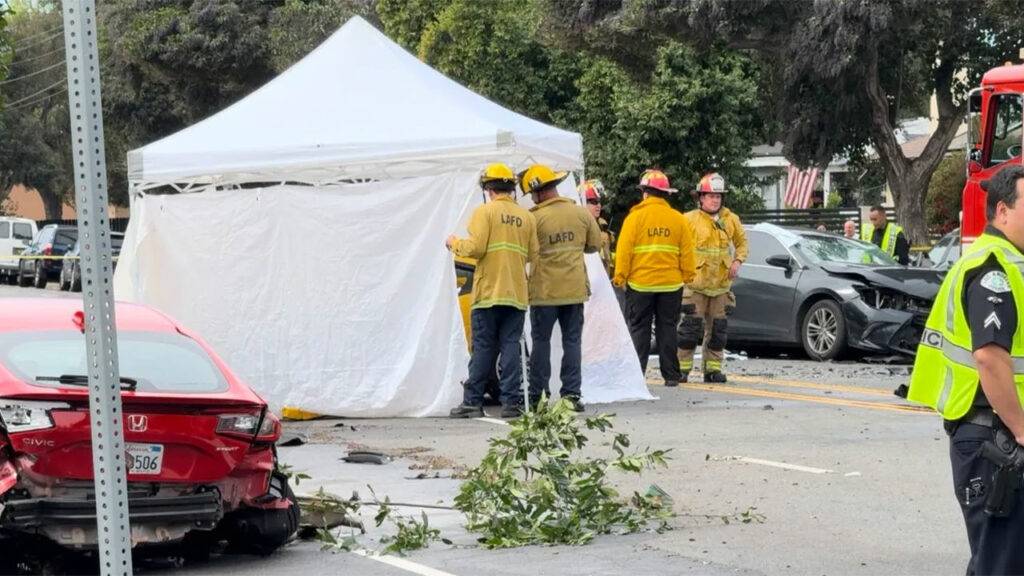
35	150
944	192
629	122
846	72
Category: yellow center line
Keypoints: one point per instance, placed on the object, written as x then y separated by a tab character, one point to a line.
811	385
727	389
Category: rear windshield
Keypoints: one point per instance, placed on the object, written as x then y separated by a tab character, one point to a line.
159	361
66	237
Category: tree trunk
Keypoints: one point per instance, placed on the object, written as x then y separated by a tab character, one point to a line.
52	205
909	195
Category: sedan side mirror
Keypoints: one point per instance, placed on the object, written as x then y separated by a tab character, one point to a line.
780	261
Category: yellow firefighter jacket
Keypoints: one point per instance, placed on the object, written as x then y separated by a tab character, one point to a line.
655	248
502	238
565	231
714	256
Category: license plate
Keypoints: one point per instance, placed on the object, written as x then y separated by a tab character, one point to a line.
145	459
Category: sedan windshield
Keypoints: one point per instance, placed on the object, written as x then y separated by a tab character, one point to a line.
837	249
152	361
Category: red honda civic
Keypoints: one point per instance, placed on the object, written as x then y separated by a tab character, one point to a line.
202	467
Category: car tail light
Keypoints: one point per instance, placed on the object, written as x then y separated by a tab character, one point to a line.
249	426
24	415
47	249
270	430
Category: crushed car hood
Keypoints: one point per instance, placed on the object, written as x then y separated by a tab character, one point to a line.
917	282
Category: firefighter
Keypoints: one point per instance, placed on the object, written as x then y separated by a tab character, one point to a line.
558	283
653	259
721	247
886	235
968	369
592	192
503	239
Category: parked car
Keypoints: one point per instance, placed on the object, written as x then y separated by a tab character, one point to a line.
52	240
827	294
200	455
71	268
15	235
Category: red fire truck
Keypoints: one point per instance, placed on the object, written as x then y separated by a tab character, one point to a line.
994	141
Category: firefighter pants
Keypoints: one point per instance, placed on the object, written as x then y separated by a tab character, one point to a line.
496	334
704	320
542	323
663	309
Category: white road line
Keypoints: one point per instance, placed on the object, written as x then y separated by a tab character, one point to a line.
783	465
402	564
492	420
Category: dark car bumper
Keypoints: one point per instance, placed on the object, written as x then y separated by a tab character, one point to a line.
201	510
885	330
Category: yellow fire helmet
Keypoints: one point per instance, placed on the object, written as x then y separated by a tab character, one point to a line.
499	177
539	177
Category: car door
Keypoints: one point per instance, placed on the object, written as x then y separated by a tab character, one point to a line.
764	293
6	245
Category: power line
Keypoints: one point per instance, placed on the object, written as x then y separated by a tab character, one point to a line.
19	47
31	103
39	57
36	73
34	94
43	33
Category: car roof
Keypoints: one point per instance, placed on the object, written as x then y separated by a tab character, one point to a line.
41	314
16	219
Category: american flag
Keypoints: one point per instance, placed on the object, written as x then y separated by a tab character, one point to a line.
800	187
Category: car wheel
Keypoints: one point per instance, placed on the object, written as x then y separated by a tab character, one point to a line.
61	283
824	330
76	281
39	278
24	280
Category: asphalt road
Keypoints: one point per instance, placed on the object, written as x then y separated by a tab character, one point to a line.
838	475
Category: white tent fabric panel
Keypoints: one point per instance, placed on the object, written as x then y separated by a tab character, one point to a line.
339	300
357	106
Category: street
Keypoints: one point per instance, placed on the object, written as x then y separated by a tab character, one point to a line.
768	471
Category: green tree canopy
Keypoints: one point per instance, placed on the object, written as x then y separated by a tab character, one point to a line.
841	73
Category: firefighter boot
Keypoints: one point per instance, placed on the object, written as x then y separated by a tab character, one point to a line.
716	376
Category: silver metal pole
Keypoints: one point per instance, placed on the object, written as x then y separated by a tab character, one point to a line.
108	450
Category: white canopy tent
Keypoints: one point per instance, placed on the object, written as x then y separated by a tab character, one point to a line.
313	258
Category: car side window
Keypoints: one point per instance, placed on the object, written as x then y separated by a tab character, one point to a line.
5	230
22	231
1005	137
763	246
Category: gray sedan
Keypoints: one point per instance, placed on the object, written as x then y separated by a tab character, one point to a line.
827	294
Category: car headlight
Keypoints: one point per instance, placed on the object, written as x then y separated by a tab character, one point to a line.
881	299
27	415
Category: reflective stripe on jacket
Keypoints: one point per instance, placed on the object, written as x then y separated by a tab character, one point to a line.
502	238
718	243
564	232
655	248
945	376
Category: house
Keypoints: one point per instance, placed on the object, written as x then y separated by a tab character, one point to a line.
772	171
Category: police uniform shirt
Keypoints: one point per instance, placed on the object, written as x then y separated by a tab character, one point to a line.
989	304
990	308
902	252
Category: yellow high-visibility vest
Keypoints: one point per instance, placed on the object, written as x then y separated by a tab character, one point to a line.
945	376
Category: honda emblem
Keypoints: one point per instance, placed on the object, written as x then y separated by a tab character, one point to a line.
137	423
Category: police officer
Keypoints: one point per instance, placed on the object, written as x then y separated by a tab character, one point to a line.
721	247
653	259
592	192
558	284
503	239
886	235
973	335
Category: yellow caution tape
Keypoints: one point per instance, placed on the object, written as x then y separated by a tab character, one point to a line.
20	257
